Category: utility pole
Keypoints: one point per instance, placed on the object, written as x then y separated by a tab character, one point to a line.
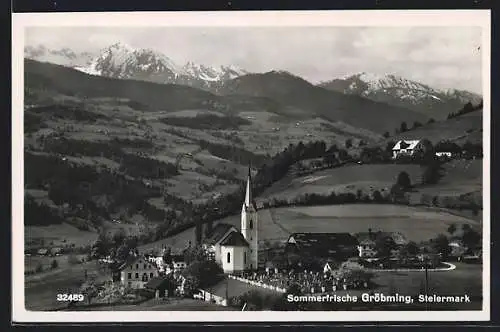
426	284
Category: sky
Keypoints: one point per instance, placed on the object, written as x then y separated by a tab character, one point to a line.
442	57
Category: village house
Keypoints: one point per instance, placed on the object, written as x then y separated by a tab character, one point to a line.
368	242
136	271
406	148
367	248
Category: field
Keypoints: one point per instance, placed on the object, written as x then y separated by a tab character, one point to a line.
460	177
416	223
57	235
345	179
458	129
63	261
466	279
41	289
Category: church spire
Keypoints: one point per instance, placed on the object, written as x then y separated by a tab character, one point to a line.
248	194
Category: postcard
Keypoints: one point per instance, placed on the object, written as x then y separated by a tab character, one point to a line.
285	166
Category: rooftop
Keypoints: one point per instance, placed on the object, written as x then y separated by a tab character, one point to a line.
406	144
235	239
218	233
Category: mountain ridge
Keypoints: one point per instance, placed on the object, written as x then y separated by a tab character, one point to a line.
402	92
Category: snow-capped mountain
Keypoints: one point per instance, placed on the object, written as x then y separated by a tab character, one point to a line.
398	91
64	57
122	61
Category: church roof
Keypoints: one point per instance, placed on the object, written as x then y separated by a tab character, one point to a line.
235	239
218	233
321	244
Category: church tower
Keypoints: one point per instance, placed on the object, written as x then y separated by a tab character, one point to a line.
249	225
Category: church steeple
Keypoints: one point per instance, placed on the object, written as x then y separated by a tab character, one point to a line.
250	225
248	194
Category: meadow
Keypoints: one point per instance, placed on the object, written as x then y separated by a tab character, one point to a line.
346	179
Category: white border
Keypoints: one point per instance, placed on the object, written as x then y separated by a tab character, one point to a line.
480	18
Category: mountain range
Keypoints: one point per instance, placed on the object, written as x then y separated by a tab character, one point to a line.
398	91
121	61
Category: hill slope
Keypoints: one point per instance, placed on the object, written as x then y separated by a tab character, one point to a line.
54	79
297	93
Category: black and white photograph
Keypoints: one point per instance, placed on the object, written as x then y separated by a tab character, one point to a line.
278	165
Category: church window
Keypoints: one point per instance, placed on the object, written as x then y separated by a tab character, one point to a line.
251	223
229	257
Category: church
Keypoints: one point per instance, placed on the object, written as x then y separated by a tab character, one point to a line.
237	250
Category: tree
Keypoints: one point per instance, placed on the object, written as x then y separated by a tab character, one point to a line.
404	127
348	143
377	196
440	245
416	125
122	252
330	159
195	253
470	237
208	272
359	194
54	264
410	249
432	173
343	155
384	245
403	180
452	229
198	232
386	134
431	120
102	245
119	237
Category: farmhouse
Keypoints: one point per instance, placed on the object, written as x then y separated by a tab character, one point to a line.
368	240
338	246
234	250
406	148
136	271
161	286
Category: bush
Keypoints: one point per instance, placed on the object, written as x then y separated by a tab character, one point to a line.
403	180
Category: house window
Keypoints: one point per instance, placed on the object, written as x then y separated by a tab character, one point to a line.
151	275
145	266
130	284
145	277
244	258
137	266
129	276
251	223
229	257
137	275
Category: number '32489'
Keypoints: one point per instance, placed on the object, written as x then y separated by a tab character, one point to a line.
70	297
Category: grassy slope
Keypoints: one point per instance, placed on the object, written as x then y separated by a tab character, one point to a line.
298	93
349	178
458	129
